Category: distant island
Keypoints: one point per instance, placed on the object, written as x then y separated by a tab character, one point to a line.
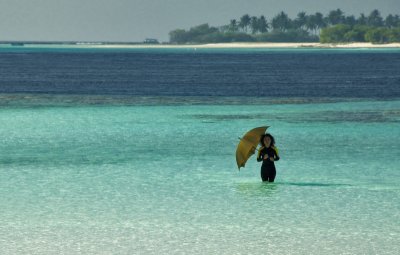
335	27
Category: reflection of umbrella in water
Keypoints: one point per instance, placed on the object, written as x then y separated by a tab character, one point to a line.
248	145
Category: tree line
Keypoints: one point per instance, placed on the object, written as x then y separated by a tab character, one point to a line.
335	27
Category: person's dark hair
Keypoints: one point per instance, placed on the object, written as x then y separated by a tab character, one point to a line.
270	136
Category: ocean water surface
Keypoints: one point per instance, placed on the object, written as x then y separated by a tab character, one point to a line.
133	151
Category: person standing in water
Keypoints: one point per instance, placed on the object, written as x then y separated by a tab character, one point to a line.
268	154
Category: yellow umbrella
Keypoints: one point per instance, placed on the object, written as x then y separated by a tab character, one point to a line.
248	145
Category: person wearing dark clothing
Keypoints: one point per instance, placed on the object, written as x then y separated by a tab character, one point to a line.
268	154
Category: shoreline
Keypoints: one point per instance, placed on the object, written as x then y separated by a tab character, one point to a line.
244	45
256	45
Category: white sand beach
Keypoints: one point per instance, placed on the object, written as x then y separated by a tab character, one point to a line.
256	45
238	45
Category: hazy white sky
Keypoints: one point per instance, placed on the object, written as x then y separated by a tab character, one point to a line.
135	20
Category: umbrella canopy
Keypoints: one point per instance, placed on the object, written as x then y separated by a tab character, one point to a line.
248	145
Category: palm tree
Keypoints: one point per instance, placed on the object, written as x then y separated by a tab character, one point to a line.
319	20
311	23
362	20
375	19
335	17
254	25
392	21
350	20
315	22
262	24
281	22
233	26
301	20
396	20
389	21
244	22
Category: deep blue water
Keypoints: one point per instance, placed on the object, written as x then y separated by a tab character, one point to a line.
133	151
275	73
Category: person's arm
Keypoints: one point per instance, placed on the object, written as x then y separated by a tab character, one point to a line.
276	156
260	155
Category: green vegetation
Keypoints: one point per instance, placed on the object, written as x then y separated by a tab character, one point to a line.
332	28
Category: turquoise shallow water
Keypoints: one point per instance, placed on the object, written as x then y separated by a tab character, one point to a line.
159	179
